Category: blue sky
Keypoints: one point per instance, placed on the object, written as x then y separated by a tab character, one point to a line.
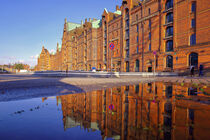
27	25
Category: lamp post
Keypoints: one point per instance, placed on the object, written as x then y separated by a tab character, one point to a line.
111	46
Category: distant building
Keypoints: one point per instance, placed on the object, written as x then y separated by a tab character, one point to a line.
177	31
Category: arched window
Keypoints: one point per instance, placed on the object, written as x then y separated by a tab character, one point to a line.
169	18
169	45
193	59
169	4
137	66
169	31
169	61
193	39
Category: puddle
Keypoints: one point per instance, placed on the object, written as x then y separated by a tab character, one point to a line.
143	111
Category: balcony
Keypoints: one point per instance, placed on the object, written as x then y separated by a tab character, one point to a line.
168	23
169	19
126	47
105	43
126	36
105	61
192	14
126	16
192	30
126	26
126	58
169	37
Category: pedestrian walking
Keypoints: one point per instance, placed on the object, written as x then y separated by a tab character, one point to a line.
67	70
192	68
201	70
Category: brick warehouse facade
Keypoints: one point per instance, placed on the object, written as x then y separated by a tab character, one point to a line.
176	30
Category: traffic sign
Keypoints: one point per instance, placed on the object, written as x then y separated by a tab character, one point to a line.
111	46
154	52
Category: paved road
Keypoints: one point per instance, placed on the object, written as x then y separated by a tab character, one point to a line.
15	87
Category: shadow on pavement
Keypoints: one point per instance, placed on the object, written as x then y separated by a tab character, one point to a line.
19	89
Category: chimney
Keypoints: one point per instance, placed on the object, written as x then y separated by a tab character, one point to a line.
117	8
85	20
81	22
65	20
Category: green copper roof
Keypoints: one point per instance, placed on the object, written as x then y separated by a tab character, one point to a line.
96	24
59	47
71	26
118	12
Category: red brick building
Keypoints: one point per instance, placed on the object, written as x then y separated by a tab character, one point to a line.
176	31
142	111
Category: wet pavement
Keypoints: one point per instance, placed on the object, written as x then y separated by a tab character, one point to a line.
147	110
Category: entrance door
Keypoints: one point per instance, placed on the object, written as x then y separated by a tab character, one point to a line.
193	59
137	66
127	66
169	61
149	69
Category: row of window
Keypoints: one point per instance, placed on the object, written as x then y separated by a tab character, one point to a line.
193	61
169	30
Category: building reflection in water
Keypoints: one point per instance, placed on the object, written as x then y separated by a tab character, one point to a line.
144	111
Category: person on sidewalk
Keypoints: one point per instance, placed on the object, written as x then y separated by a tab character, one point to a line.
201	70
192	68
67	70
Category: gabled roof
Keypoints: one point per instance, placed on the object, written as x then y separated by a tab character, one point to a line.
105	10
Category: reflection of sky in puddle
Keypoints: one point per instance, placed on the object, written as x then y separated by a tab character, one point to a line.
166	111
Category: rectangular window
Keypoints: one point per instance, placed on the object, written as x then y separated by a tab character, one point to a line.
193	7
137	28
193	39
150	23
137	49
149	35
127	43
150	47
193	23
